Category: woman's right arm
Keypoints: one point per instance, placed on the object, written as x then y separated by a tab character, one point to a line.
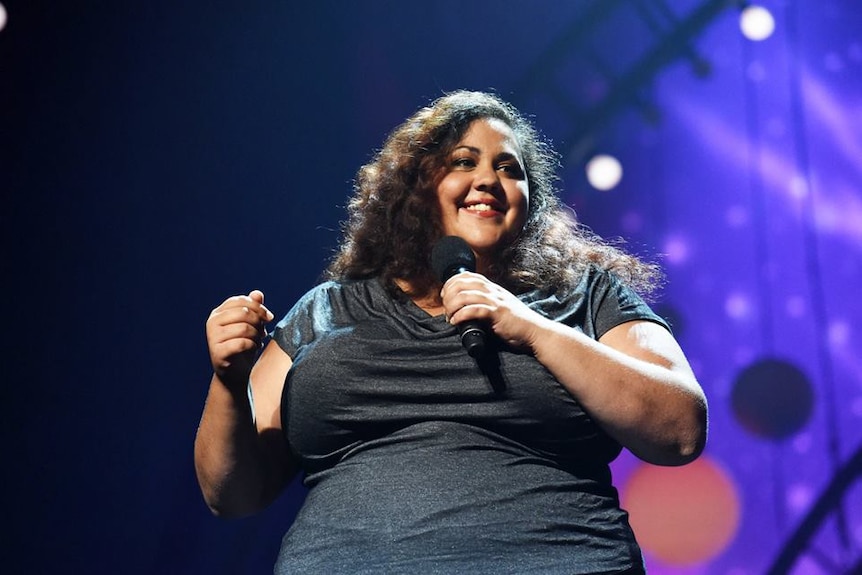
241	457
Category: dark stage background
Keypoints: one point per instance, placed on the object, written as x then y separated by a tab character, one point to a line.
159	156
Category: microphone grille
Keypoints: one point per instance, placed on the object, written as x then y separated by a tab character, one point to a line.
449	255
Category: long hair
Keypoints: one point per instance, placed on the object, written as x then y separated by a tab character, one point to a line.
393	215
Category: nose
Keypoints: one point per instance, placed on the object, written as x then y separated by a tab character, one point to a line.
486	178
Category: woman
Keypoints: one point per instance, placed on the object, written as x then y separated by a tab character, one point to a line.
418	457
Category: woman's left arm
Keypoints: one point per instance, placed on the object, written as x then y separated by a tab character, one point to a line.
634	381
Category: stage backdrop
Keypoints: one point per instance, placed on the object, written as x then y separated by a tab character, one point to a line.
159	156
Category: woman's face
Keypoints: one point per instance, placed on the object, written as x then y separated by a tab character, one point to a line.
484	194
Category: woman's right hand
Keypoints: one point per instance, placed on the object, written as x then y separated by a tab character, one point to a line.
235	330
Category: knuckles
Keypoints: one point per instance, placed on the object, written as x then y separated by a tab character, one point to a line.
233	329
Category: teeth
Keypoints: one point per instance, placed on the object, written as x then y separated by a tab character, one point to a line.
480	207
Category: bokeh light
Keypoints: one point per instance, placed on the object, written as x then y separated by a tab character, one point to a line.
772	398
756	23
676	249
604	172
738	306
4	17
682	516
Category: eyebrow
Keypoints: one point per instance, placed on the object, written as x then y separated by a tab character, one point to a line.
500	156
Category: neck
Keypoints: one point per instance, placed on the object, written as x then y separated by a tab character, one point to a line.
429	301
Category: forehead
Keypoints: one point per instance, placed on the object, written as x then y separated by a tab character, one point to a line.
491	132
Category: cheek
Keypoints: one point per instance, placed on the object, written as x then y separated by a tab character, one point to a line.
442	205
447	189
522	200
450	191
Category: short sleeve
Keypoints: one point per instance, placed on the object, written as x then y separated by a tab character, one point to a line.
310	317
615	303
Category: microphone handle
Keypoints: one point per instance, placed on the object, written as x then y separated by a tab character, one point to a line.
472	331
472	337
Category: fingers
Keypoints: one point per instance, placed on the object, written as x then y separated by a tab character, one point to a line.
241	314
252	303
465	281
224	354
238	330
469	296
235	330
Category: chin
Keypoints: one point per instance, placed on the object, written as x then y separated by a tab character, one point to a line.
481	247
486	242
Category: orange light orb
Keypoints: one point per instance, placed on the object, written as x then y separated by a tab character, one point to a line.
682	515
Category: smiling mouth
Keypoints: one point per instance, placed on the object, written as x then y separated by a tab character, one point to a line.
483	208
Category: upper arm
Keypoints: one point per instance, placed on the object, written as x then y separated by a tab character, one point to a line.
650	342
676	406
267	384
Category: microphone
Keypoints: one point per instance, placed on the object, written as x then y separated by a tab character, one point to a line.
451	255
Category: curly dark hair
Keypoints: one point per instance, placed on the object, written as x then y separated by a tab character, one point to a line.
393	216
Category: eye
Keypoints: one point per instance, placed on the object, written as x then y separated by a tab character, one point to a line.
463	162
511	168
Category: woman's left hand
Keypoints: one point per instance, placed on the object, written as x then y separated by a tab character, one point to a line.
471	296
634	381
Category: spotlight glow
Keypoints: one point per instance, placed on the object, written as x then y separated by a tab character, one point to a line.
3	17
604	172
756	23
738	306
685	516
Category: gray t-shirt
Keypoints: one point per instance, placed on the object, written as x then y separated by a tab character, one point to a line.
419	459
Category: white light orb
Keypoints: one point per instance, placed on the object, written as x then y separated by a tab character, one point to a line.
756	23
604	172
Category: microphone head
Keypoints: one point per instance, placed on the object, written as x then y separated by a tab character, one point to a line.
450	256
